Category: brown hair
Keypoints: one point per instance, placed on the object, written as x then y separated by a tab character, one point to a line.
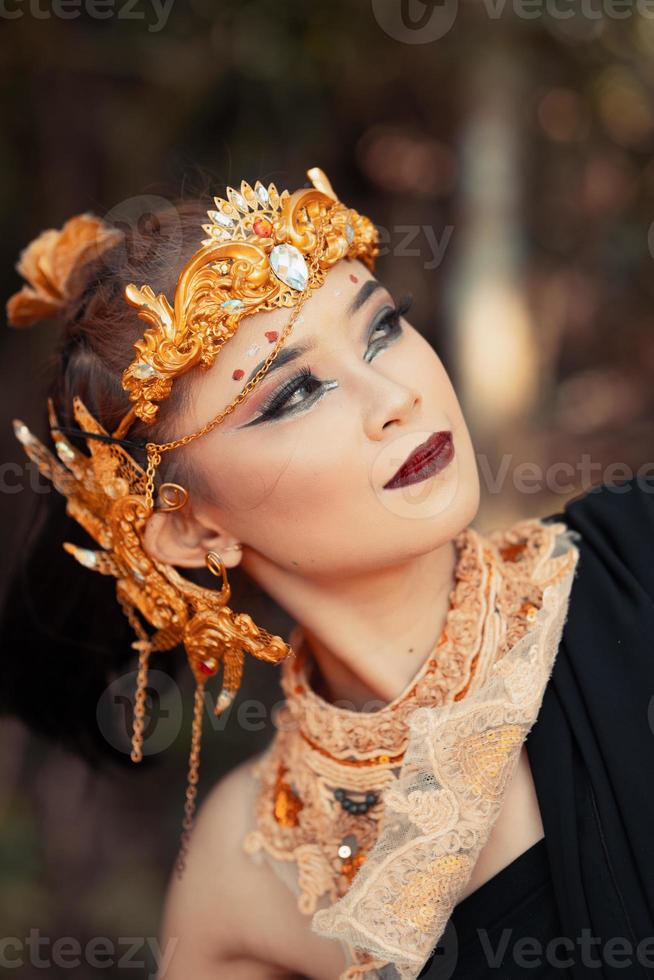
100	327
53	608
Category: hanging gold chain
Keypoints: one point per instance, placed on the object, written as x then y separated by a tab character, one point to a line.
192	781
154	458
144	646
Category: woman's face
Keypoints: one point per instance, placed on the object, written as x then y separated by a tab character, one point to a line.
297	472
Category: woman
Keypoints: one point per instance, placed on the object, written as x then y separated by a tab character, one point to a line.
398	797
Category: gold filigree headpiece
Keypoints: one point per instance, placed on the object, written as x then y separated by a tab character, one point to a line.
264	249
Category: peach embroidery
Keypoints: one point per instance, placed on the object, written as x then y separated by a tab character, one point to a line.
437	759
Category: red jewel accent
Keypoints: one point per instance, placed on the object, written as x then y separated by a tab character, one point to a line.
272	336
208	667
353	278
238	374
262	227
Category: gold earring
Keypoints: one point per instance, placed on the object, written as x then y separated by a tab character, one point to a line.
173	496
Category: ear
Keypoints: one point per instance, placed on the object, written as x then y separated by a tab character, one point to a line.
182	538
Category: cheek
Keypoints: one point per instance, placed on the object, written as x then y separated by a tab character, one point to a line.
291	474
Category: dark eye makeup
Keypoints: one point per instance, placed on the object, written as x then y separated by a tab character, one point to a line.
384	330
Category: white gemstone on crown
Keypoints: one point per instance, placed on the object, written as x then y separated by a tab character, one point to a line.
143	371
288	264
261	193
237	199
221	219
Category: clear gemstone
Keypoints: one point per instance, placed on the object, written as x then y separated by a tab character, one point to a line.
288	264
251	351
345	851
349	232
142	370
221	219
237	199
232	304
261	193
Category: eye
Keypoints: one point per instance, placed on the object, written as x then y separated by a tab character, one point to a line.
298	392
303	389
387	327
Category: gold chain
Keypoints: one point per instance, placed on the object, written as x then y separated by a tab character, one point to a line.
144	646
154	458
192	781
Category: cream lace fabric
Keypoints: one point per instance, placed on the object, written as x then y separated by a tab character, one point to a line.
428	771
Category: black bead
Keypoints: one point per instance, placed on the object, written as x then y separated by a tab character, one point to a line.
371	798
339	794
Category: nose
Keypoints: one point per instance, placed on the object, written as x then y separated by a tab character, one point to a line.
389	404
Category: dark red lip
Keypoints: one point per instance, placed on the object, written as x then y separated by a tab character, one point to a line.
428	458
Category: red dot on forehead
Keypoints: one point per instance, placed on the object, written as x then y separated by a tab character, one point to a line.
238	374
353	278
272	336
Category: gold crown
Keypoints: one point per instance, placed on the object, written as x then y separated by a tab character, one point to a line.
264	249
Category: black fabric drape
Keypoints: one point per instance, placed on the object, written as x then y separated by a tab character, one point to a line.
591	748
591	751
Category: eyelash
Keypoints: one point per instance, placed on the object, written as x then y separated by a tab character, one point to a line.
275	406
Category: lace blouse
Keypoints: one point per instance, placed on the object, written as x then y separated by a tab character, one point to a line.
504	927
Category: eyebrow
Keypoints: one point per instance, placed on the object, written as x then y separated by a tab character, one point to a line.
369	287
289	354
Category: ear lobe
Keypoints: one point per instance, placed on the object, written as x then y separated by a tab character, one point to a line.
178	538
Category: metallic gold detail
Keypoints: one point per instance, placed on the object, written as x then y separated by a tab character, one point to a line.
233	264
173	496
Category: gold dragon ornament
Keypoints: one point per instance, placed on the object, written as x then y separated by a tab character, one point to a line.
264	249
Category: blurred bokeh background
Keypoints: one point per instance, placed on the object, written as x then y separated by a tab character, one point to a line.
505	152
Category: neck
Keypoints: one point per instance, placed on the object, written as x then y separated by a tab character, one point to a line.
369	634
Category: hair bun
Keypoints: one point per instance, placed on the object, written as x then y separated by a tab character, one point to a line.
48	264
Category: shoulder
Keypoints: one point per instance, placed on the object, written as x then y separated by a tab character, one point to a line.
208	909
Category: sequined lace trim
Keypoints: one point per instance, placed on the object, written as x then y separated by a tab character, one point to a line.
428	771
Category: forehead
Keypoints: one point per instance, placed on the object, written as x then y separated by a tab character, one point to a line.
324	309
342	286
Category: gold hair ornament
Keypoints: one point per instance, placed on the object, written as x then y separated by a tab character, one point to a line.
266	249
